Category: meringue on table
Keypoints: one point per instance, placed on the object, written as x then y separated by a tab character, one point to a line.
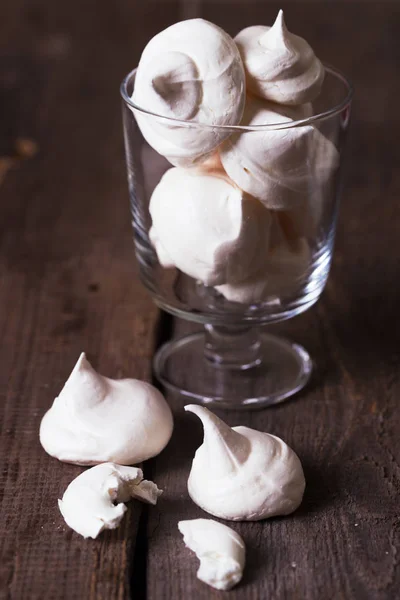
279	65
96	419
241	474
221	551
94	500
207	227
191	71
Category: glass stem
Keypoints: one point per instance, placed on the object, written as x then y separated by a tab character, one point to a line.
237	348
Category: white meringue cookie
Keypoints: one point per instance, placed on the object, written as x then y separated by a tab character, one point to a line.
93	501
191	71
278	166
285	267
289	260
241	474
163	257
221	551
306	218
208	227
279	66
96	419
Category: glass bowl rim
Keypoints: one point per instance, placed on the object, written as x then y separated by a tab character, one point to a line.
330	112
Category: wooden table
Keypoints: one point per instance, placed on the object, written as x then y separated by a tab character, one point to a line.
68	282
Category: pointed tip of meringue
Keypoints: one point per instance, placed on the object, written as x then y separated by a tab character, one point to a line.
278	33
207	417
225	448
81	364
194	408
280	19
82	358
202	412
279	25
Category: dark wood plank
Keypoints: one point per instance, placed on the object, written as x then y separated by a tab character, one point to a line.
344	540
68	282
68	279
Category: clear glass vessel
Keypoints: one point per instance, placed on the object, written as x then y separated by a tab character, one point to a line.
234	363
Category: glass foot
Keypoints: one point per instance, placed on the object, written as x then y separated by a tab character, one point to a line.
185	366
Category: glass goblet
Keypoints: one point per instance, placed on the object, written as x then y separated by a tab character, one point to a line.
234	363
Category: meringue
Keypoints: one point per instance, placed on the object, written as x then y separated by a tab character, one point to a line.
163	257
278	166
306	218
191	71
220	549
93	501
288	262
279	65
241	474
96	419
208	227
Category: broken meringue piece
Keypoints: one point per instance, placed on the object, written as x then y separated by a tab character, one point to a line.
279	65
94	500
221	551
241	474
96	419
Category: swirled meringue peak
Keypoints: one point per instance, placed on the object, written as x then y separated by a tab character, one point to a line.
208	227
191	71
278	166
279	65
96	419
241	474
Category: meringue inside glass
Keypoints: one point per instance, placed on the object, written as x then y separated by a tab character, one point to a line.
234	151
236	214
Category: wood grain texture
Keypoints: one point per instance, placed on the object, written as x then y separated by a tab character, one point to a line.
68	282
344	541
68	279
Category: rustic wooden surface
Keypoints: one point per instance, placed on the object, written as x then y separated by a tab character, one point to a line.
67	275
68	282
